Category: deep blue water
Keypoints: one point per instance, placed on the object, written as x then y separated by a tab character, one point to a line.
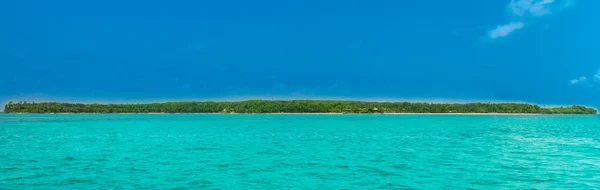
299	152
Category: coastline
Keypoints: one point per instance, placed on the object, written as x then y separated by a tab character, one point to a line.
522	114
297	107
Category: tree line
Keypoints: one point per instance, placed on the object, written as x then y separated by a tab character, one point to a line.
291	106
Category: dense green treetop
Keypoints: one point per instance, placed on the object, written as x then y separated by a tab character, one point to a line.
291	106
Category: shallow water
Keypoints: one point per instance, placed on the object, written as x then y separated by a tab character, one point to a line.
299	151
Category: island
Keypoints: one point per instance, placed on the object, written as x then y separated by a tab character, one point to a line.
294	106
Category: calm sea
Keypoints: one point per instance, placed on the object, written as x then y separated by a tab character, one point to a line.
299	152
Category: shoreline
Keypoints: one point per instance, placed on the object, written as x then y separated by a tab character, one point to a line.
298	107
521	114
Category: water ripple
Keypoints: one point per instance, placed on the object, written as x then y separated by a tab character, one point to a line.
299	152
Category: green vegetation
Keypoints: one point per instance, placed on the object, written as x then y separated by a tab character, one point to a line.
292	106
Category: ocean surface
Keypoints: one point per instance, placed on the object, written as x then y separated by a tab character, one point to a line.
299	152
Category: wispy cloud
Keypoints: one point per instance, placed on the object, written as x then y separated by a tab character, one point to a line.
578	80
584	80
531	7
505	30
522	12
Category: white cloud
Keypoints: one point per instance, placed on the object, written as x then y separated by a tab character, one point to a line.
540	8
578	80
531	7
524	12
594	80
506	29
574	81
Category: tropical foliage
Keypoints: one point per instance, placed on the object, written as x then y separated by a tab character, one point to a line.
292	106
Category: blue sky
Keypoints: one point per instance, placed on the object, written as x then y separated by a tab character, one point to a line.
539	51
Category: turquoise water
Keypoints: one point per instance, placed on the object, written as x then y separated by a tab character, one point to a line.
299	152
